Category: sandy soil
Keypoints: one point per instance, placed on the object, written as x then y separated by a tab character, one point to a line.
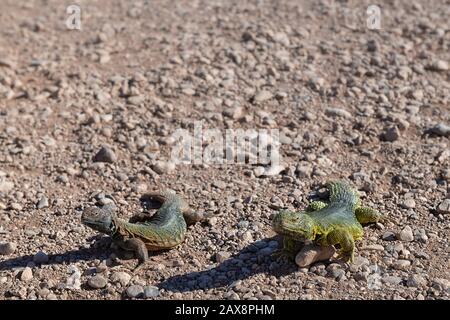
367	106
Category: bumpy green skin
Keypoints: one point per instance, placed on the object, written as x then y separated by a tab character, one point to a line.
164	230
336	222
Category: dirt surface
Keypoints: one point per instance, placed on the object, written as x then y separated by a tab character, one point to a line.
367	106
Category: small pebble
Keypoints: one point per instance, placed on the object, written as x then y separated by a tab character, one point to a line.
440	129
337	274
444	207
438	65
394	280
151	292
312	253
164	167
337	112
52	296
247	237
390	134
6	186
219	184
105	154
135	291
441	284
416	281
97	282
273	170
388	236
27	274
43	203
259	171
401	264
74	280
406	234
261	96
7	248
409	204
374	247
44	292
222	256
122	277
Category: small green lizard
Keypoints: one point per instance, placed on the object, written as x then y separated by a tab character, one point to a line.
142	233
337	222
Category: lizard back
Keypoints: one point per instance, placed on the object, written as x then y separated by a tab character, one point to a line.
164	230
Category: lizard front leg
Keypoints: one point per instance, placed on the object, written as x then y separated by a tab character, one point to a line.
345	240
368	215
138	247
289	250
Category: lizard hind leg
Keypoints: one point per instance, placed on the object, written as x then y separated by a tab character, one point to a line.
155	200
346	242
190	216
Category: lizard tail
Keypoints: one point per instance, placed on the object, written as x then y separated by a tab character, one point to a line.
169	198
161	196
165	196
342	192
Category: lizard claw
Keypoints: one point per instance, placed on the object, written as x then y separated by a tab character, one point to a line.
348	257
139	267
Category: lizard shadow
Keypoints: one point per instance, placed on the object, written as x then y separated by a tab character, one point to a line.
101	250
253	259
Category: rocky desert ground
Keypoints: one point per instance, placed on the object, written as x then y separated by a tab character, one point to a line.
369	106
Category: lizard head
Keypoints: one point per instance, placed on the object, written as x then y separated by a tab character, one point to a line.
297	225
98	219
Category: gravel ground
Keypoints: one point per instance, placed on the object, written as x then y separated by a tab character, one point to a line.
367	106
